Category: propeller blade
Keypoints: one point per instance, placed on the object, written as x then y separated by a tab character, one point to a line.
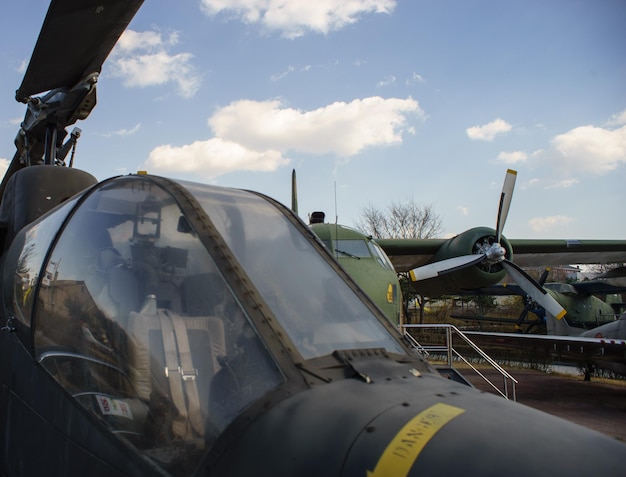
618	272
505	201
544	276
523	314
444	266
76	38
529	302
534	290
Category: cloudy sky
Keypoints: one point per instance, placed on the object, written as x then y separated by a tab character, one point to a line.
371	101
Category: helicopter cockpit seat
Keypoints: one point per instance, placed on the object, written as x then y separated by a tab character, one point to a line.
121	291
174	359
35	190
129	282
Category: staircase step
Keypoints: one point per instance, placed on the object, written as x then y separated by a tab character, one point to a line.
453	375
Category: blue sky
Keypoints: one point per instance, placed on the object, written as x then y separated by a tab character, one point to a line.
371	101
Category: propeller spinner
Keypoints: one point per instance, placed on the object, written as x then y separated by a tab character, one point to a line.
489	253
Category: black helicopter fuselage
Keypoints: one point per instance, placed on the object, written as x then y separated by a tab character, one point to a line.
156	327
150	326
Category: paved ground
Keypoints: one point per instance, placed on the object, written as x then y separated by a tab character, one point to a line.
599	405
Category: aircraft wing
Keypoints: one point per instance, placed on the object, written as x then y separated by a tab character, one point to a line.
530	253
407	254
591	287
606	353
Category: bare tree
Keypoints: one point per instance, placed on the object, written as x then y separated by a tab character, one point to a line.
404	220
400	220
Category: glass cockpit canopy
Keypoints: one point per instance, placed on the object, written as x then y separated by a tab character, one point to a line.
313	303
132	316
135	320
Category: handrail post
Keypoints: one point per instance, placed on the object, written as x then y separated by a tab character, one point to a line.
449	345
450	329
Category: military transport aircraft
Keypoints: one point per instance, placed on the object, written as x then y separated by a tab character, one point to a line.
482	257
471	261
151	326
365	262
363	259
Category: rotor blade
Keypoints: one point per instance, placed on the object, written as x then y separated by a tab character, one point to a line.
444	266
75	39
505	201
534	290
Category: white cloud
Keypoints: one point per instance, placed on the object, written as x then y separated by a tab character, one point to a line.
133	40
388	81
281	75
618	119
488	131
124	131
294	18
563	184
143	59
256	135
340	128
22	66
212	158
4	165
12	122
512	157
590	149
464	210
531	183
542	224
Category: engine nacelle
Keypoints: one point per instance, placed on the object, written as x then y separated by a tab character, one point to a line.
484	274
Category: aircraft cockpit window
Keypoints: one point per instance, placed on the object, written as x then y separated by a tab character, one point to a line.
135	320
314	304
352	248
28	250
380	255
359	248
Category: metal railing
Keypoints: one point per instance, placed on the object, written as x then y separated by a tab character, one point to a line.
451	352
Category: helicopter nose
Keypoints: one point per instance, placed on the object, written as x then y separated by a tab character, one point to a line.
461	432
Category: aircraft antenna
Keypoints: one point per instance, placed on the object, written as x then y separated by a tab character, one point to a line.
294	192
336	213
336	222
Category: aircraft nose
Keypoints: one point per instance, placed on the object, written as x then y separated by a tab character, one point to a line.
462	432
409	427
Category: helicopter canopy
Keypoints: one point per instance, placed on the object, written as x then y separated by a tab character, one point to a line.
144	308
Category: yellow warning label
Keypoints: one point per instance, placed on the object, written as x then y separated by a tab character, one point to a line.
400	454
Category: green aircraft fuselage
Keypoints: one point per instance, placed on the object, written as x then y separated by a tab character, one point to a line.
366	263
583	311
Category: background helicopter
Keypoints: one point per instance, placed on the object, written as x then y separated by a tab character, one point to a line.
159	327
